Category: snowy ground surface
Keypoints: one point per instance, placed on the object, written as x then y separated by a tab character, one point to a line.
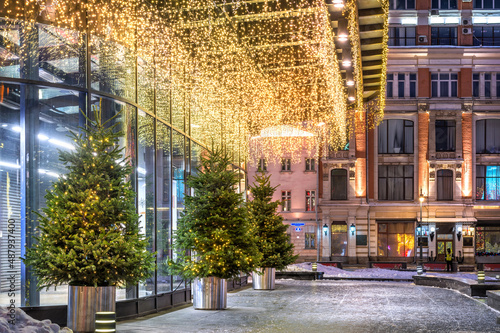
19	322
330	271
343	306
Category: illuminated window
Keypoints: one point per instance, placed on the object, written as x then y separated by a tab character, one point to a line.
395	239
395	136
488	240
310	201
286	198
310	240
487	136
488	182
286	164
339	184
339	239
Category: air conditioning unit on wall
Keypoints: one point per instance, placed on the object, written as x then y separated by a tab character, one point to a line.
434	12
466	21
466	31
422	39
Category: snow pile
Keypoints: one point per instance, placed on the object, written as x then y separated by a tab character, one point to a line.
379	273
16	320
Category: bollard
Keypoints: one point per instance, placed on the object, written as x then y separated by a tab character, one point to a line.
105	322
314	267
480	276
420	270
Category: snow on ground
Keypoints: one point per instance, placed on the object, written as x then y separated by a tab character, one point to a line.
16	320
330	271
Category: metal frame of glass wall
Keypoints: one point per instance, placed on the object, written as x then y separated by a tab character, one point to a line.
47	77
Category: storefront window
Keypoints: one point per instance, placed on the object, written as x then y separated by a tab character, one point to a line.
396	239
487	241
339	239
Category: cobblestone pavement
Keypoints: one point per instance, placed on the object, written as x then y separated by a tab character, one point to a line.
331	306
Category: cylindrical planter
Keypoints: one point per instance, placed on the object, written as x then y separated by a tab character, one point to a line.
209	293
264	278
84	302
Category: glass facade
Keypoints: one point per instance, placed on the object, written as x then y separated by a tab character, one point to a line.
48	77
396	239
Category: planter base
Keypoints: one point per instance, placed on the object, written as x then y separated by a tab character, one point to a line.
209	293
264	281
84	302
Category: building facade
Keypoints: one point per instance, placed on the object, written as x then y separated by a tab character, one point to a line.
437	141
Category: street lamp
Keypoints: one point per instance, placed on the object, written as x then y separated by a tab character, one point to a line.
419	235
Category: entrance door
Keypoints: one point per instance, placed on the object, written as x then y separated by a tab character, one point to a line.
442	248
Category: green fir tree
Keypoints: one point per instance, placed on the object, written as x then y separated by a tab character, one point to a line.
214	236
89	230
272	240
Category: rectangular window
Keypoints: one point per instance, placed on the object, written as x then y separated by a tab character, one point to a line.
498	83
475	84
262	165
390	82
486	35
488	182
445	135
310	240
488	136
286	199
395	182
395	136
486	4
310	201
444	36
310	164
487	85
413	84
402	36
401	4
286	164
339	184
487	241
444	84
401	85
395	239
445	185
444	4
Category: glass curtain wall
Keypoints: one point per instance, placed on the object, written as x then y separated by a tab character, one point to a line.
74	73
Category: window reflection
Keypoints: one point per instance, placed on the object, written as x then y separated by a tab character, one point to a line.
178	187
395	239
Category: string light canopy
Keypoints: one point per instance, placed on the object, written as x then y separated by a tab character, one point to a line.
238	70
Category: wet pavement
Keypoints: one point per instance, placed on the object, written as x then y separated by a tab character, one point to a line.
331	306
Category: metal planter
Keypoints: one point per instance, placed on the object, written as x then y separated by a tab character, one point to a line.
209	293
84	302
264	278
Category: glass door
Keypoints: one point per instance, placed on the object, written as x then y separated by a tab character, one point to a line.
442	248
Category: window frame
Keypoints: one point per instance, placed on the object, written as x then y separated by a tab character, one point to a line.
437	32
395	38
308	236
450	4
445	129
452	84
310	164
393	4
404	179
479	4
484	140
286	164
286	200
345	195
262	167
406	127
479	32
310	201
484	179
440	178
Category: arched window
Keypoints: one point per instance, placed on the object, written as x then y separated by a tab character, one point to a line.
445	185
339	184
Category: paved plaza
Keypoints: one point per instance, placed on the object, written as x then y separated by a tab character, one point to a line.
331	306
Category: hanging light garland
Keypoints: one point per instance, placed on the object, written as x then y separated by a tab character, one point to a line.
237	70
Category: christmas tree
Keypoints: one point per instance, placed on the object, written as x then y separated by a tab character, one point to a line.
89	230
214	237
272	240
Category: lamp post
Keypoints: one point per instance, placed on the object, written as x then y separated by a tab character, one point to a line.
420	269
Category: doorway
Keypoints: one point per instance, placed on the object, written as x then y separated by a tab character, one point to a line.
443	246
